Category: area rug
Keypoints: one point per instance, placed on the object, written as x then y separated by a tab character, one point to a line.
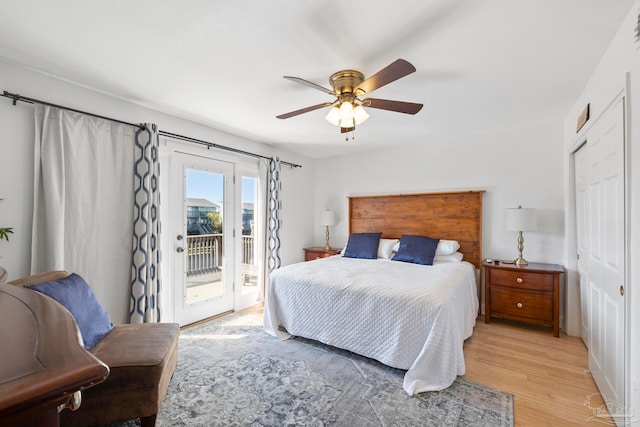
231	373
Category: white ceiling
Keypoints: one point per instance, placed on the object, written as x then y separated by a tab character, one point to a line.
481	65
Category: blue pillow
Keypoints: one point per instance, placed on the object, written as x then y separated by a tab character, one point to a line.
363	245
416	249
77	297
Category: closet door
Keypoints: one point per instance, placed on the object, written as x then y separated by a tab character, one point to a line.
580	164
604	259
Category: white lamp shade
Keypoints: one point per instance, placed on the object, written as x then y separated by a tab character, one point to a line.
521	219
334	116
327	218
346	110
360	115
346	123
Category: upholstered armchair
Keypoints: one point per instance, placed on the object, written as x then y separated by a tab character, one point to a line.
141	359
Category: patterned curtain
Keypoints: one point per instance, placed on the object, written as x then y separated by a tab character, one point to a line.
145	268
273	215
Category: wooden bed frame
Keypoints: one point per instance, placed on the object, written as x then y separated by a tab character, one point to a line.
455	215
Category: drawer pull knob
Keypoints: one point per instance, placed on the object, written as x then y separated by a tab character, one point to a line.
519	280
519	305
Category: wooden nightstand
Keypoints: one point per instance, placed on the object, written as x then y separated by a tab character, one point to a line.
318	252
528	294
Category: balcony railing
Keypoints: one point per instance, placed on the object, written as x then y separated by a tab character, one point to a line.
204	253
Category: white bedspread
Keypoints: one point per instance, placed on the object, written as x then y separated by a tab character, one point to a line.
407	316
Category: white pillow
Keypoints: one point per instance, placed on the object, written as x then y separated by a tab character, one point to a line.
454	257
386	247
447	247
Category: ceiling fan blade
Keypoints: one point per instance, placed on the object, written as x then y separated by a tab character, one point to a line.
304	110
310	84
397	106
392	72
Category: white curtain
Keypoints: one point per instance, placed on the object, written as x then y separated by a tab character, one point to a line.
83	199
145	269
273	214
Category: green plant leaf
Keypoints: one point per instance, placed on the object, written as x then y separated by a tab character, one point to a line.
4	233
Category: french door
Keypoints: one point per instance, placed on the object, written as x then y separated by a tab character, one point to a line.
249	239
216	242
202	237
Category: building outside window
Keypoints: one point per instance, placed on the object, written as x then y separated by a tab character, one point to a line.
203	217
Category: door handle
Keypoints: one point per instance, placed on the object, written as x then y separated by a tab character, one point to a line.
179	249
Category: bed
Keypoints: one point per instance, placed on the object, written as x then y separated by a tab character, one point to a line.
405	315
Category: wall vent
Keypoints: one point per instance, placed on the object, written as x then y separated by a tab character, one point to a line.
637	29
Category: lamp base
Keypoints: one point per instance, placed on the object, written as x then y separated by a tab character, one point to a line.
520	262
326	246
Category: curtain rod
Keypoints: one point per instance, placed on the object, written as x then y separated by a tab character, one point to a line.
222	147
15	97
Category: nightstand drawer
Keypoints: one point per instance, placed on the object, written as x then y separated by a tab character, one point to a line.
522	279
521	304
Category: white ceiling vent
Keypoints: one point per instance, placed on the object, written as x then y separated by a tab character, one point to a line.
637	29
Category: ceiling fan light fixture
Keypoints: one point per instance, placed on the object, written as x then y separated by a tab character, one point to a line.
346	116
333	116
360	115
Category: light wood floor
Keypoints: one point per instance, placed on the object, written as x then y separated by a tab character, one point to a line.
547	376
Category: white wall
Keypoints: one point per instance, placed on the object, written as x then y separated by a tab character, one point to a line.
16	168
620	64
515	166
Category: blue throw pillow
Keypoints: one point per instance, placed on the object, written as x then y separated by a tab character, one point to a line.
363	245
417	249
77	297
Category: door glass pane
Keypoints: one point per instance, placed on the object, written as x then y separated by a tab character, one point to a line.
204	246
249	233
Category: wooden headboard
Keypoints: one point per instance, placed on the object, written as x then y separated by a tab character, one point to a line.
453	215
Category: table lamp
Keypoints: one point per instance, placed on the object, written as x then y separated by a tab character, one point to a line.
521	219
327	219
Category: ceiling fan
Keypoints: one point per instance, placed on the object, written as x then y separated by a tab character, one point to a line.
349	86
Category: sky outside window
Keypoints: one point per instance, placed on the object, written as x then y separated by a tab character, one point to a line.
208	185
